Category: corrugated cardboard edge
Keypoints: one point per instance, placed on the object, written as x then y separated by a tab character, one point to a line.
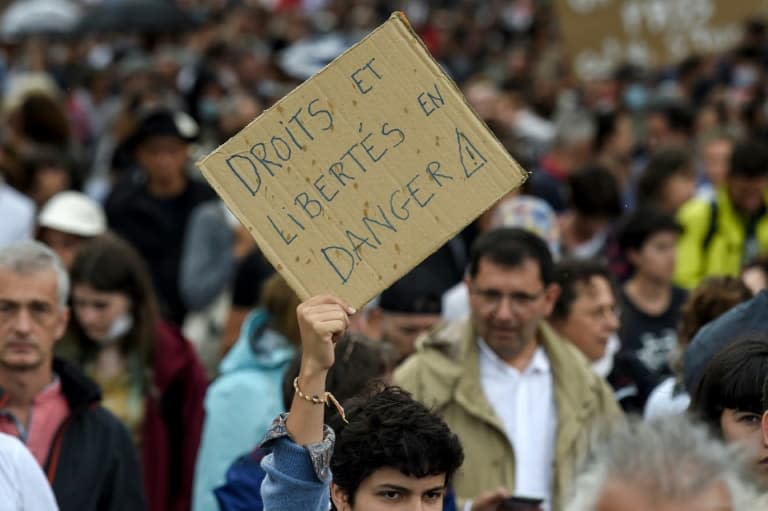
402	25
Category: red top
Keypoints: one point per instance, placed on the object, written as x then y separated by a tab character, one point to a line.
49	410
173	422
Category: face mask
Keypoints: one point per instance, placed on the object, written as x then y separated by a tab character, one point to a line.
744	76
636	97
208	109
121	326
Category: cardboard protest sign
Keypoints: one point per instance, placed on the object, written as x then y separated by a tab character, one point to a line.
601	34
362	171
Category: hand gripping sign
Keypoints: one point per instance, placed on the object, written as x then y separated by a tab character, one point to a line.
364	170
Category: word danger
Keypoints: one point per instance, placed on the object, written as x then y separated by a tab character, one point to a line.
381	222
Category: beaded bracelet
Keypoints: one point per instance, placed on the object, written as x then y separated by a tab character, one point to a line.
327	399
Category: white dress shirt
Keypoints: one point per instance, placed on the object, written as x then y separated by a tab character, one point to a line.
525	403
666	400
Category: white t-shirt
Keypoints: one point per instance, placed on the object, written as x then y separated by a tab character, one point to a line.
456	302
23	486
666	401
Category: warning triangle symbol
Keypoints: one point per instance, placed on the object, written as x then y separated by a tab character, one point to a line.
471	159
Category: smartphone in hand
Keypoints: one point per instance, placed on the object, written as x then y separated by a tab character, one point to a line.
521	504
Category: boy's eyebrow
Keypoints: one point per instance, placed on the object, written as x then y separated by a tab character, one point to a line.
393	487
402	489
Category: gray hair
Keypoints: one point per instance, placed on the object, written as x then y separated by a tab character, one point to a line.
27	257
668	458
574	127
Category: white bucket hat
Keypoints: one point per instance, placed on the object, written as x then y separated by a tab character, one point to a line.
73	213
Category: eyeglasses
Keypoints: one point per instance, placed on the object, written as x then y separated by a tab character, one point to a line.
494	297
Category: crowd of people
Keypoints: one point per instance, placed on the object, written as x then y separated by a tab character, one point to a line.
597	340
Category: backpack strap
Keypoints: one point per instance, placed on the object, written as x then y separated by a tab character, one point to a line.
712	229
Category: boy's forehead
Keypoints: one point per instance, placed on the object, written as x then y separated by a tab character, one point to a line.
393	477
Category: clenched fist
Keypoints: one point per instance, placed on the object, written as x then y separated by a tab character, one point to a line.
322	319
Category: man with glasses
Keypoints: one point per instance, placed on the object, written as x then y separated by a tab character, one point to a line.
521	399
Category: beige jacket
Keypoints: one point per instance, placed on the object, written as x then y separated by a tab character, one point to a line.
444	374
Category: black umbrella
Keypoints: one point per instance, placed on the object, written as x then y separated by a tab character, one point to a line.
31	17
145	16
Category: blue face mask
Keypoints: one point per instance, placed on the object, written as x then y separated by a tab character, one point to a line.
208	109
636	96
744	76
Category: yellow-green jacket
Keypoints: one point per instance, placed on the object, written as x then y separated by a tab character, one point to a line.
699	257
444	374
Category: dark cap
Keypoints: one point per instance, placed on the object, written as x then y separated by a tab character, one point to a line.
418	292
163	122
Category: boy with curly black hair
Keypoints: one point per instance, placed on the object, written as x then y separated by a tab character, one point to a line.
393	453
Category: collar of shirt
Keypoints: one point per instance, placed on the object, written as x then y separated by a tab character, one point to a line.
48	412
49	396
488	358
49	392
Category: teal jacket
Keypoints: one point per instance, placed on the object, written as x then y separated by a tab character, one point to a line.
240	404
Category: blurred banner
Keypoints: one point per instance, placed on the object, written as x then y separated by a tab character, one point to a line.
602	34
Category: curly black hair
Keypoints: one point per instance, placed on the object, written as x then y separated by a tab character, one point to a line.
389	429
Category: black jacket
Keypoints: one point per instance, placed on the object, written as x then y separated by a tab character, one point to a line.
156	228
92	462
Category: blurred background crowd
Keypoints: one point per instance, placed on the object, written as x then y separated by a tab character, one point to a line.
649	186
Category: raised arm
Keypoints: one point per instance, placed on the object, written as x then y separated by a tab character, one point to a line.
298	471
322	319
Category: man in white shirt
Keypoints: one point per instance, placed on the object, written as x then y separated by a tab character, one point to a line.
522	400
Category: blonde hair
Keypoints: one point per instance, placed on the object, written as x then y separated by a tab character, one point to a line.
280	302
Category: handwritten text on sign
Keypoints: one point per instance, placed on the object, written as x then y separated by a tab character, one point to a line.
362	171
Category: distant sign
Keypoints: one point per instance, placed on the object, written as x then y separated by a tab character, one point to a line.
364	170
600	34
